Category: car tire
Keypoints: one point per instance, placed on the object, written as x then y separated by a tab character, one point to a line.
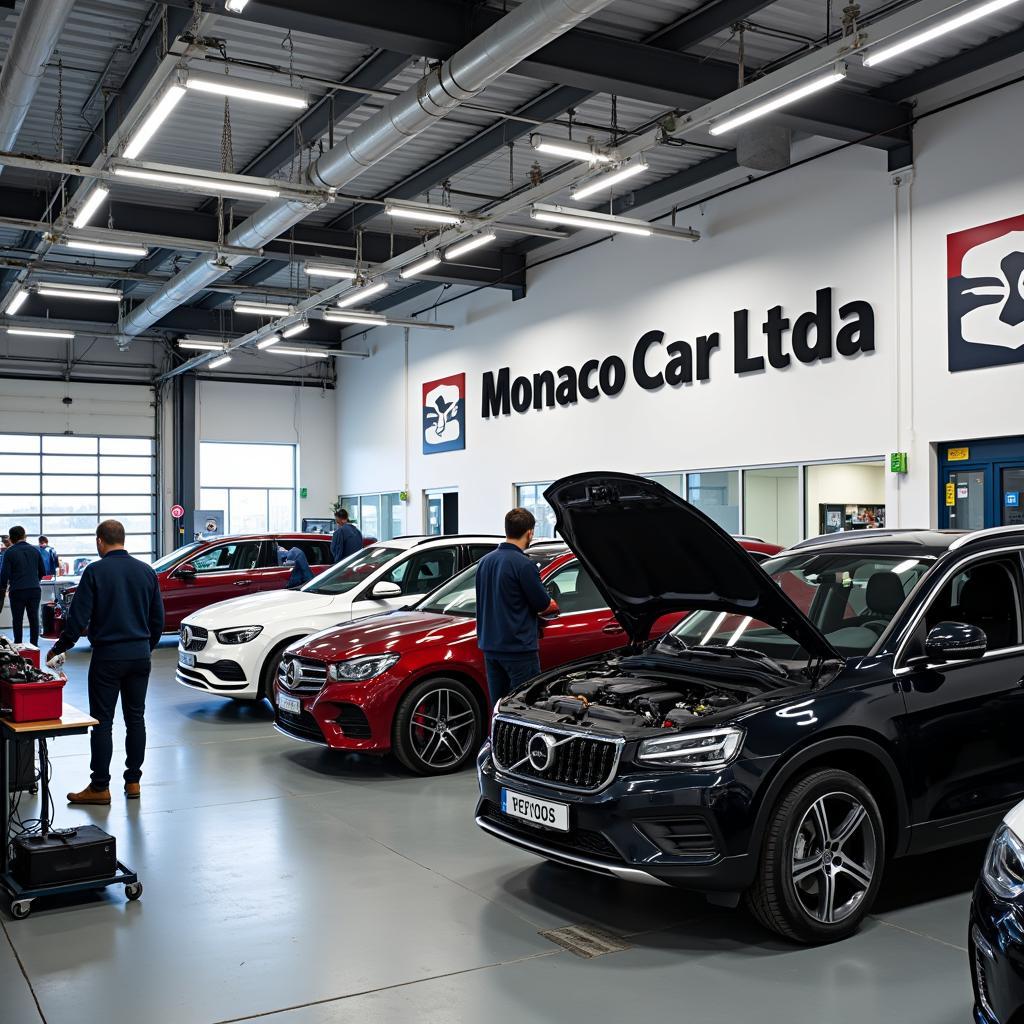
269	674
822	859
438	727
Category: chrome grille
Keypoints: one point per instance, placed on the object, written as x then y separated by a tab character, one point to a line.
577	761
193	638
301	675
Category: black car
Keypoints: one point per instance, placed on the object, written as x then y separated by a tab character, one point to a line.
855	699
997	927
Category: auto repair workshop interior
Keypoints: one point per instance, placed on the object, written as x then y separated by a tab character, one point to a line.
511	511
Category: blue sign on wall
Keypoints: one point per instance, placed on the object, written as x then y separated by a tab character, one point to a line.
1012	498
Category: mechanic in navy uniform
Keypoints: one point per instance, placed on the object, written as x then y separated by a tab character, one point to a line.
509	600
20	573
346	539
118	601
296	558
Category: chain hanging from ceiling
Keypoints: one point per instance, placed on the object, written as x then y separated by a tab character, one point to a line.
58	124
227	164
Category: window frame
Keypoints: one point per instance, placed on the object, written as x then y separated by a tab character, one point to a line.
575	564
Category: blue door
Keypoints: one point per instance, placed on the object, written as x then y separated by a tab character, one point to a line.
981	483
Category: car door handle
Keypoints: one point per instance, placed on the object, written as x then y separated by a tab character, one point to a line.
243	583
613	627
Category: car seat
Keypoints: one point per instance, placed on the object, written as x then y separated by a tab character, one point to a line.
883	597
987	601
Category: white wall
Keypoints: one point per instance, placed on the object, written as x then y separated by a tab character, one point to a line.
276	413
838	222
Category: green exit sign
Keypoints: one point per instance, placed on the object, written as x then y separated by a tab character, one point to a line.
898	462
303	492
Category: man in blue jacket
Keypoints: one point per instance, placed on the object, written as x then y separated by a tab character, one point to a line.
346	539
509	599
50	559
20	573
118	601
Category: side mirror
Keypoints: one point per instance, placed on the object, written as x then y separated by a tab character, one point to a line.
186	571
955	641
383	589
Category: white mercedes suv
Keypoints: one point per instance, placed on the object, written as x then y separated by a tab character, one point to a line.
233	648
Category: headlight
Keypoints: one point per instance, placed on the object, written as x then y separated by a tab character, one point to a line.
358	669
713	749
238	634
1004	865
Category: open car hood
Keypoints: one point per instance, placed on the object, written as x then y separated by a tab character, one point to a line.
651	553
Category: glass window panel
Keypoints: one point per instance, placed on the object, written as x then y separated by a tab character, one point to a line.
844	496
126	485
134	524
19	442
69	524
531	497
70	545
10	484
717	495
18	504
30	523
67	504
248	510
369	520
69	463
246	465
392	516
60	444
126	446
673	481
122	504
771	505
282	510
68	485
214	498
125	464
138	542
19	463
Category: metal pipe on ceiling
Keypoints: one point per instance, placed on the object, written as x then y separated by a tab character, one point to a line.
35	38
518	34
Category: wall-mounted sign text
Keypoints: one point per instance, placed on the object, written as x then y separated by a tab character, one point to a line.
657	362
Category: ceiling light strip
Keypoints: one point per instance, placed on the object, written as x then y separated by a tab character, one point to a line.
72	292
420	267
610	178
36	332
360	293
782	99
96	199
152	122
20	297
246	89
213	186
105	248
453	252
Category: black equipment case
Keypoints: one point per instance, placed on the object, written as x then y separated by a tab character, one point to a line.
57	858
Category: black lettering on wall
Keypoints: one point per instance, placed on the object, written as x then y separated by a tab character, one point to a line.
587	388
774	327
820	322
522	394
743	362
496	396
613	375
680	364
858	336
706	344
566	393
544	389
648	381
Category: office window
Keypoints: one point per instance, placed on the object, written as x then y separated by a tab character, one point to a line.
717	495
381	516
771	504
252	484
531	497
62	486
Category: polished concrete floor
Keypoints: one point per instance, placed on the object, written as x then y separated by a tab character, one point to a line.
286	884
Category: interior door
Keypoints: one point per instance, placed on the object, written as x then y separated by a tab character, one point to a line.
967	490
965	719
1010	494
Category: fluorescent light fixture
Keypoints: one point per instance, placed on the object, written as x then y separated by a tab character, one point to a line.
246	89
114	249
298	328
355	317
418	268
610	178
782	99
268	342
435	215
323	270
235	6
215	186
90	206
600	221
151	124
36	332
359	294
17	302
259	309
941	29
71	291
317	353
569	149
222	361
453	252
199	345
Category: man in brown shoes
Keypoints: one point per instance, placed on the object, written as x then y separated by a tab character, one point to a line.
118	601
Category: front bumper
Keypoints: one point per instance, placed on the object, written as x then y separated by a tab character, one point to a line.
996	943
683	828
228	670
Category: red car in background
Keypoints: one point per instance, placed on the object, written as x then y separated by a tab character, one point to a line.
208	571
413	681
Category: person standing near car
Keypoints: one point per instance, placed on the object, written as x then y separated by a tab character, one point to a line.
346	539
118	601
20	573
50	559
509	600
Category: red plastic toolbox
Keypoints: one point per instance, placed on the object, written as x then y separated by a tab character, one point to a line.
33	702
29	652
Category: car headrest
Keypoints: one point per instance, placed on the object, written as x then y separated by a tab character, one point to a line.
884	594
987	594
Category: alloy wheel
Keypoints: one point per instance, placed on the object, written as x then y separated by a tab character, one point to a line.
441	727
834	857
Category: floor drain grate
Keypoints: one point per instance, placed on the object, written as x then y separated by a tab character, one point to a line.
585	941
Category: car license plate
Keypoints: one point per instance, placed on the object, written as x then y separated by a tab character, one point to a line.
290	704
186	659
536	812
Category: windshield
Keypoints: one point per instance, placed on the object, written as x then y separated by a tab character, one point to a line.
351	571
850	597
458	595
168	560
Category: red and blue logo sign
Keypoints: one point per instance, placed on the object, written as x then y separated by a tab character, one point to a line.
444	414
985	272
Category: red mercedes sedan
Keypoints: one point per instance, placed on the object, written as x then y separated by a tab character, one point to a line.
413	681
